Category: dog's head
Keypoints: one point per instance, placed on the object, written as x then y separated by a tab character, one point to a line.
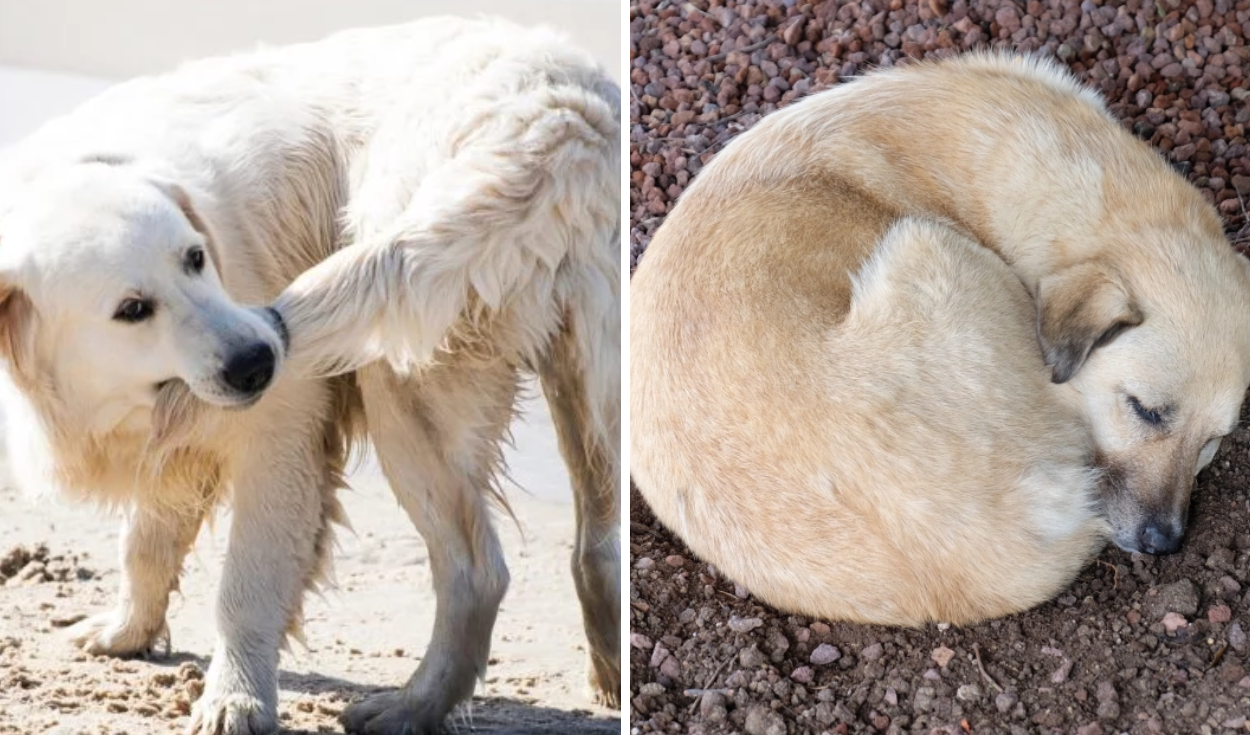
110	289
1157	353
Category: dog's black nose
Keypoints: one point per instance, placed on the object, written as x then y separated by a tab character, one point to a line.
1159	537
249	370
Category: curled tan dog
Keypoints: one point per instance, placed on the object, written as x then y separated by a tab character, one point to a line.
912	349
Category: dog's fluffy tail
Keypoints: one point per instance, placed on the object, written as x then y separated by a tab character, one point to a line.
512	228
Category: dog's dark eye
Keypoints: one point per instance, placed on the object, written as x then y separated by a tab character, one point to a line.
195	260
1149	415
133	311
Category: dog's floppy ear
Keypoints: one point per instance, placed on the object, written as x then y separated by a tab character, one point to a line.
1080	309
180	197
17	327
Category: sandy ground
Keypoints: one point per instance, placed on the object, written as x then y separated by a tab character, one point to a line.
365	636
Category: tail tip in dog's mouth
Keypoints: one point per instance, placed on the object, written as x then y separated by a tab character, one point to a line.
279	326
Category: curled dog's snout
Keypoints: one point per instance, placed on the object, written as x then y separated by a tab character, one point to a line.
1159	537
249	370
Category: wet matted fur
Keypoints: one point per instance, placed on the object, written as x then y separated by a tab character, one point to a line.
450	192
911	349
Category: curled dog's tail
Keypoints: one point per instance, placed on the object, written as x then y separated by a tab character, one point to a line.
511	227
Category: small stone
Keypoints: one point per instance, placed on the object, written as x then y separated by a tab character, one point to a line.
712	707
1172	621
1061	673
891	696
1005	701
1133	617
638	640
651	688
671	668
943	655
923	699
1109	710
658	655
802	675
1220	614
824	654
644	563
1105	692
1244	683
1093	728
744	625
763	721
675	560
1236	637
1235	723
968	693
872	652
752	658
819	628
1179	597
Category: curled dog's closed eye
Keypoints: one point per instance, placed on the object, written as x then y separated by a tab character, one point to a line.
1079	310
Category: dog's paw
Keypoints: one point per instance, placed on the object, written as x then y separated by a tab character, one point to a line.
111	634
231	713
605	682
391	713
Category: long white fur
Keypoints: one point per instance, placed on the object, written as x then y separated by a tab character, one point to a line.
453	186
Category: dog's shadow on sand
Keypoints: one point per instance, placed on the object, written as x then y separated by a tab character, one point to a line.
491	715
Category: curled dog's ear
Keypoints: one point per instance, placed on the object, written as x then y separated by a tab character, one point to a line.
17	328
183	199
1080	309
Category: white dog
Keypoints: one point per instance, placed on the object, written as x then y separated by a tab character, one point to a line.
468	174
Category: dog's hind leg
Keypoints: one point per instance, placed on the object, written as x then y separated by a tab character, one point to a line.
153	546
437	435
581	379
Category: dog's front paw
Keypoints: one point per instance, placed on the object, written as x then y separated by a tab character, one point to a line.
113	634
391	713
605	682
231	713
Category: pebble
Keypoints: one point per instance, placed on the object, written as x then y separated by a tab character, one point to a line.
824	654
712	707
819	628
1220	614
653	689
751	658
802	674
763	721
1172	621
1179	597
1093	728
1237	637
923	699
638	640
943	655
744	625
676	560
1005	701
872	652
1061	673
968	693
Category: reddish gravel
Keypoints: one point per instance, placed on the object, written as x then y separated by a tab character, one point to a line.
1137	645
1176	73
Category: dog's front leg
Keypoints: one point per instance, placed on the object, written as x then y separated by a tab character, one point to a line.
153	545
282	492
